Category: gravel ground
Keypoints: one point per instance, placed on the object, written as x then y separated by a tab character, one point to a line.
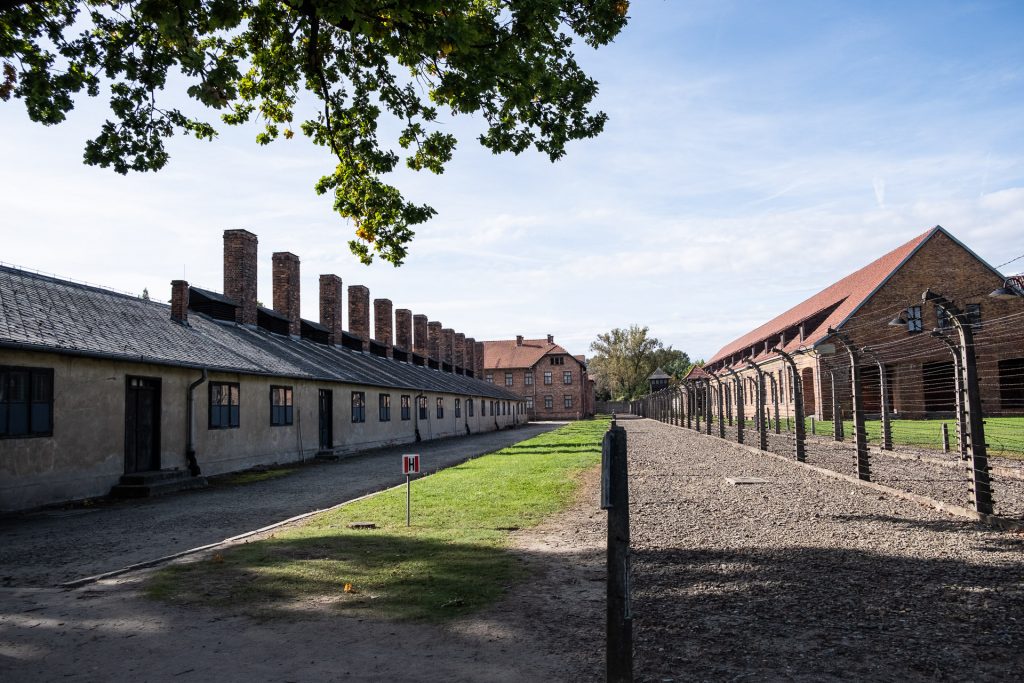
809	578
54	546
934	474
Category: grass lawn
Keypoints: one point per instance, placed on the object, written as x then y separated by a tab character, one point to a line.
1004	435
452	560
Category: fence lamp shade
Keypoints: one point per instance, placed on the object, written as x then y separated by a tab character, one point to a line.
1005	292
899	321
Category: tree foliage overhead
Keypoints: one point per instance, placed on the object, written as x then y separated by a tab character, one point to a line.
509	60
625	358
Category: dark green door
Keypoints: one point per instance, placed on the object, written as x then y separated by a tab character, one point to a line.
142	425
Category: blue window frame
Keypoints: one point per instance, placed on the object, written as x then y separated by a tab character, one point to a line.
224	405
26	402
359	406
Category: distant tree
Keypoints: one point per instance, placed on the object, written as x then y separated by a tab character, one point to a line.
624	358
340	63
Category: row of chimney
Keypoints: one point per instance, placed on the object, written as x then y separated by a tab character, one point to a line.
411	334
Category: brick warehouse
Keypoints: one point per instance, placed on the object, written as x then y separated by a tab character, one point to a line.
552	383
101	390
861	306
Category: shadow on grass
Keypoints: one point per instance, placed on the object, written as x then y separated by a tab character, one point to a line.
390	575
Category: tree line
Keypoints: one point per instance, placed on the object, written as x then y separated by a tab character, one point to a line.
625	358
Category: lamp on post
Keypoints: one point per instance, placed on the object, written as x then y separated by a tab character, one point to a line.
883	381
721	419
798	403
958	387
759	423
738	395
859	434
1008	291
975	426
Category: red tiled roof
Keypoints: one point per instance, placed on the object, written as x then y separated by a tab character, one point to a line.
696	372
846	296
505	353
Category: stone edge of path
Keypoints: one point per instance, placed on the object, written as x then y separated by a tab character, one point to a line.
956	510
147	564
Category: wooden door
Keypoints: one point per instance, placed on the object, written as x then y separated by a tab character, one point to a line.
326	419
142	425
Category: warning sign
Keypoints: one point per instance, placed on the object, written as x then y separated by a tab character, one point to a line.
411	463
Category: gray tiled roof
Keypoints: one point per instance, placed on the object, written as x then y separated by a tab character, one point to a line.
46	314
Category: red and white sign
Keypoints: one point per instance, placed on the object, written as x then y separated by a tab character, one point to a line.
411	463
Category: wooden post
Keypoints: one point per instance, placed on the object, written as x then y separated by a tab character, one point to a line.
945	438
615	499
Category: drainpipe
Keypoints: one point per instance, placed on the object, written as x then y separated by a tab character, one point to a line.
190	450
417	419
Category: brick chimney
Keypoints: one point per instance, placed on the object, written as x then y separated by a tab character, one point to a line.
286	289
551	339
403	329
330	306
460	353
419	330
470	356
519	340
382	324
434	340
478	366
179	301
359	312
240	273
448	345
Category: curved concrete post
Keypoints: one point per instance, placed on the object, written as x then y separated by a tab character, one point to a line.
977	450
762	427
738	400
798	405
860	439
884	382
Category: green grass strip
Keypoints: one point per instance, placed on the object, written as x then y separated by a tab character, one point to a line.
451	561
1004	435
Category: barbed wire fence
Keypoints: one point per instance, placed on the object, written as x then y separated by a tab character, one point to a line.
938	413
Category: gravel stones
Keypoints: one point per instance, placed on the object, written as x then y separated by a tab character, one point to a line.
806	577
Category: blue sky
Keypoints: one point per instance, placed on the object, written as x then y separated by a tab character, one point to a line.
756	152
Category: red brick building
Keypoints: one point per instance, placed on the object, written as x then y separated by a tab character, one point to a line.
918	367
553	383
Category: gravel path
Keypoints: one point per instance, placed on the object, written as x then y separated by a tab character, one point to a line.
808	578
54	546
926	472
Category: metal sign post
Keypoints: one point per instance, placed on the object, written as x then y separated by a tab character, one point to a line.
410	466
